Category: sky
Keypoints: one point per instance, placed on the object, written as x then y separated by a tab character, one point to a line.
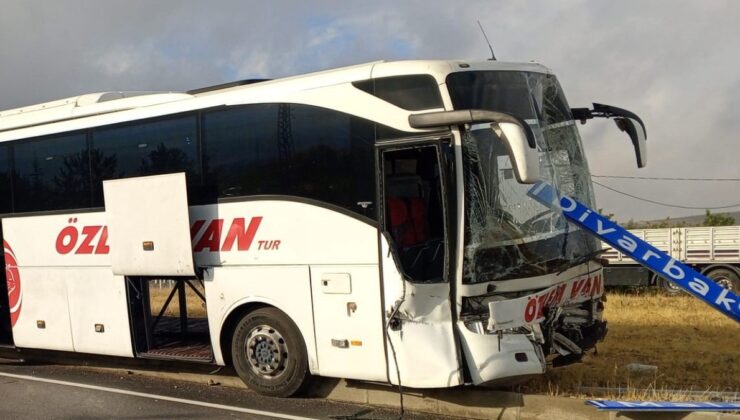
675	63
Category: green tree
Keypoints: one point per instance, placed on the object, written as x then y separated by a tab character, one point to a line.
717	219
165	160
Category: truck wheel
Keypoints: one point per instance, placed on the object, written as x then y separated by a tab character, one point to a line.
726	278
669	288
269	353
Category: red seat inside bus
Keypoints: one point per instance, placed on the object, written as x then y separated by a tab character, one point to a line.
414	216
408	220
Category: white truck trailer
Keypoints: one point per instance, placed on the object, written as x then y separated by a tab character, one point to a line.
713	251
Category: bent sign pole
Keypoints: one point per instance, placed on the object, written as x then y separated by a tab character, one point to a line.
605	405
642	252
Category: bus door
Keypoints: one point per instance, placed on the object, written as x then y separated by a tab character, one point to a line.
416	258
6	330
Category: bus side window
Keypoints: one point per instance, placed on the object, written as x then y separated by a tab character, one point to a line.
240	151
333	157
51	173
6	202
290	150
146	148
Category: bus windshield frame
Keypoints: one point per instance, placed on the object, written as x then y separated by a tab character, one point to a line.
508	234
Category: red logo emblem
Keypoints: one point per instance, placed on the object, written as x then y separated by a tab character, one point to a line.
15	293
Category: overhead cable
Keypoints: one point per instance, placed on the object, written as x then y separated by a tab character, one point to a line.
665	178
666	204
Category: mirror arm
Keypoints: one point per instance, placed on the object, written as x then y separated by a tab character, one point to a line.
469	116
605	111
626	121
582	114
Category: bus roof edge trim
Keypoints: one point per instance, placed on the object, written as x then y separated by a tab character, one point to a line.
83	106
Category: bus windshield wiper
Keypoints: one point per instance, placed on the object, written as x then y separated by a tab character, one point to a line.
582	259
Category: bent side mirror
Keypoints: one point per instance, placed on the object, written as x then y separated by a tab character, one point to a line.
524	159
515	133
636	131
626	121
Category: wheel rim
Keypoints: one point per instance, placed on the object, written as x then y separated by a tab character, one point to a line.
267	351
671	287
668	286
724	281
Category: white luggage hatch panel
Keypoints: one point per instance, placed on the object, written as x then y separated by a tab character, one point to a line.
149	226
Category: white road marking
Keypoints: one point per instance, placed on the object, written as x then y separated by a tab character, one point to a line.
157	397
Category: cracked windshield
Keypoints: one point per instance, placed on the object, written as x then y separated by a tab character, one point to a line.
508	234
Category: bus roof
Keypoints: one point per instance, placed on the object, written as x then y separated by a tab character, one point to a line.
100	103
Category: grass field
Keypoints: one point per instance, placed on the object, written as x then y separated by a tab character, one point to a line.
694	347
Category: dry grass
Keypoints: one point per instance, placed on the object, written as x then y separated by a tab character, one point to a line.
158	295
694	347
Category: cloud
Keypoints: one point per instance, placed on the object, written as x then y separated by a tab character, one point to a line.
675	63
120	61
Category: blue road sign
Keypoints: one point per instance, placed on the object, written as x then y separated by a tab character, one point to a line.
642	252
610	405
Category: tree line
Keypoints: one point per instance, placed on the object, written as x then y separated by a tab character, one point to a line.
710	219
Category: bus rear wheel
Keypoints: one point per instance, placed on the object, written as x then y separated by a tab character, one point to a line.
269	353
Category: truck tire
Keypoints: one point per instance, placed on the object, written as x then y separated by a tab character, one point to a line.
269	353
726	278
668	287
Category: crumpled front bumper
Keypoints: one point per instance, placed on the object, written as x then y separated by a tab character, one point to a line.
522	332
533	309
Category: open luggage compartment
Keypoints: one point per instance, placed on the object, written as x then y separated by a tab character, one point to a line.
169	318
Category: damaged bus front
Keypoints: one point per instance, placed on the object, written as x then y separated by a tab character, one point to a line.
529	289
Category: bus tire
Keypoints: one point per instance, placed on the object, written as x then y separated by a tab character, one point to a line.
269	353
668	287
726	278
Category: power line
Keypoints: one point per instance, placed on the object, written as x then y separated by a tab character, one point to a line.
664	204
665	178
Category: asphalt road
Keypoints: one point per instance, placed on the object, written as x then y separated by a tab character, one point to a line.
48	391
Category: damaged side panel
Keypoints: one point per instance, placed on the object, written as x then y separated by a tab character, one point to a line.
419	321
503	356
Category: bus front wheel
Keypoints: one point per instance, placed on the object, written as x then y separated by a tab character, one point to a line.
269	353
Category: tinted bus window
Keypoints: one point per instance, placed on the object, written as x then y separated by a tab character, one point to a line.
412	92
145	148
6	196
240	151
288	149
51	174
332	158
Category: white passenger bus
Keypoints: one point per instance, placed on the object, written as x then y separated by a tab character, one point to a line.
369	222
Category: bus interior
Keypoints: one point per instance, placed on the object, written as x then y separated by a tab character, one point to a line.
414	215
